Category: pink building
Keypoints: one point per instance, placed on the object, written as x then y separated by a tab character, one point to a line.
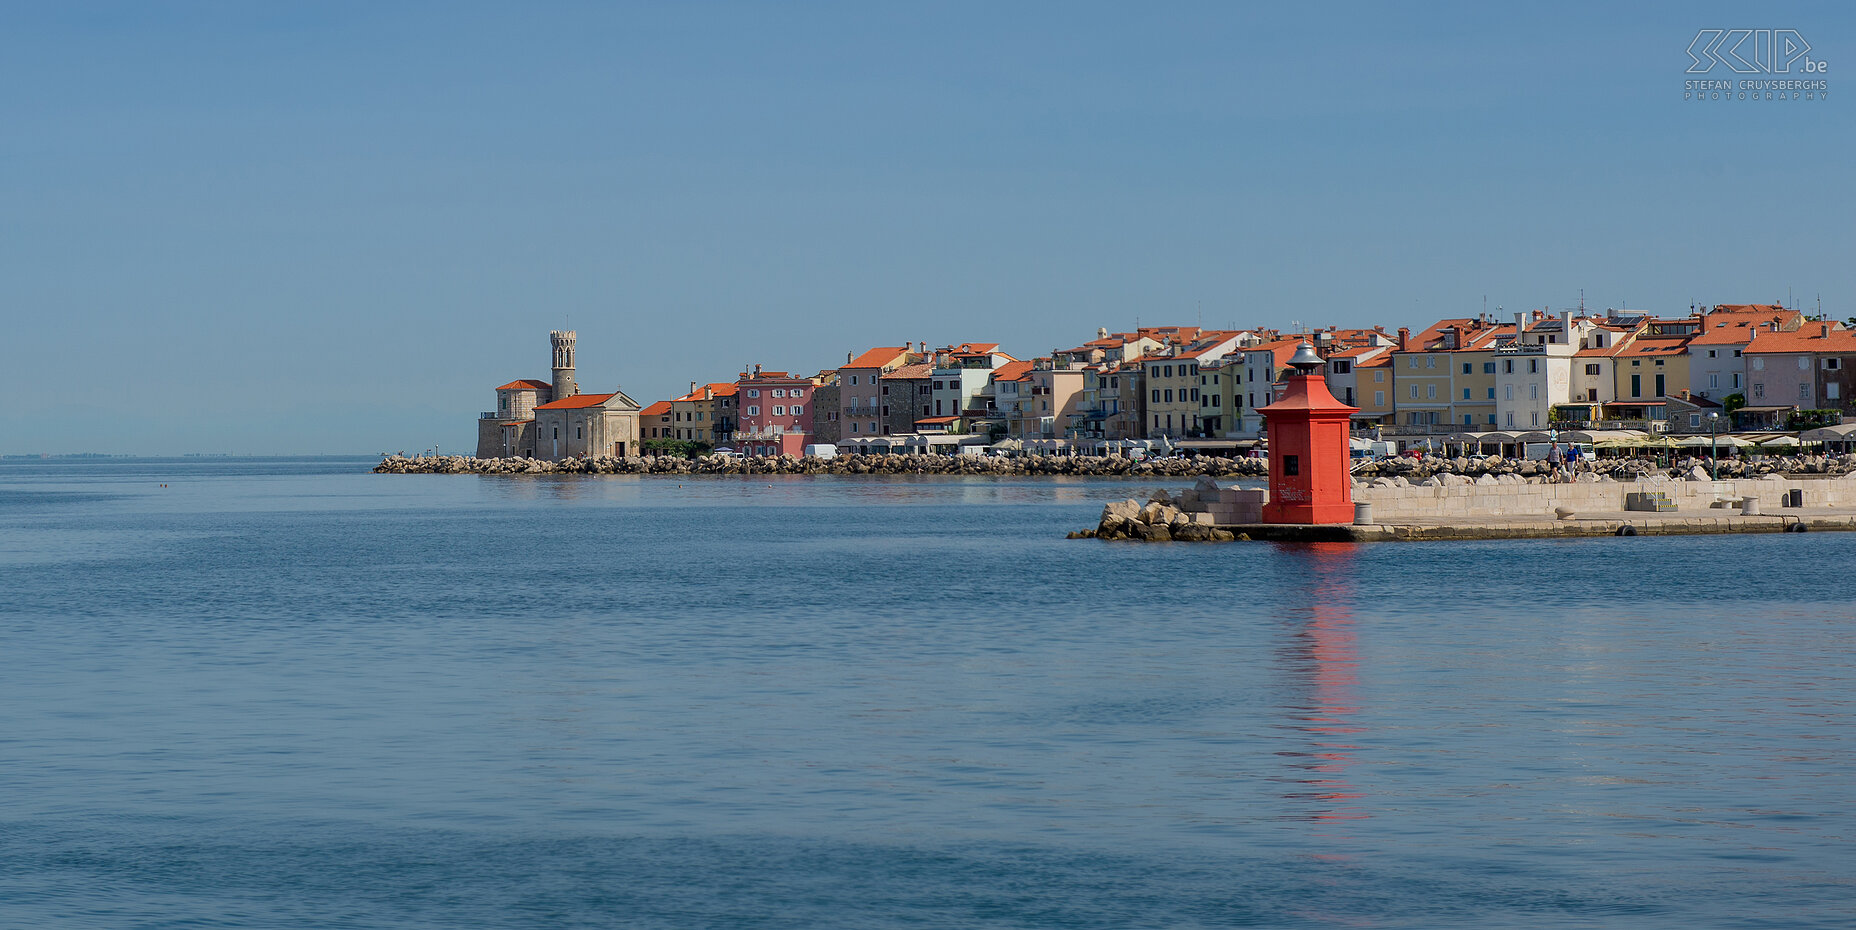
774	411
862	402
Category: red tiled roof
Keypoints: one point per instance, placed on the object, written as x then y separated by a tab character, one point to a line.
1812	338
527	384
659	409
1012	371
1655	345
917	370
937	419
576	402
1731	333
879	357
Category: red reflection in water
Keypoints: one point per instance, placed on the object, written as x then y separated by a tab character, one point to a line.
1325	649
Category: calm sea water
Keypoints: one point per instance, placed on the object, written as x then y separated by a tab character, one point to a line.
293	694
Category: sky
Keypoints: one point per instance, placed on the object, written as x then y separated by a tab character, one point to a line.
282	228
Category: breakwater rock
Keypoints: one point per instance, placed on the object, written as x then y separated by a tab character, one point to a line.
1617	469
1004	466
1411	469
1407	468
1162	518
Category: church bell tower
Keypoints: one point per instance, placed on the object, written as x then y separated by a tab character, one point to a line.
563	342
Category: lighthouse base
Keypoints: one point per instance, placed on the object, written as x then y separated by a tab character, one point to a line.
1308	513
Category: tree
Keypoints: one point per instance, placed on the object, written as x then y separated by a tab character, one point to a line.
1733	402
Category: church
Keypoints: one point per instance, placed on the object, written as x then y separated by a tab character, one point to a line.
553	420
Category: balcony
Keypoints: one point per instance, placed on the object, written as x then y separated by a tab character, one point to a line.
489	415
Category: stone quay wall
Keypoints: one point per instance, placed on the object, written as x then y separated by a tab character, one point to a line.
1441	498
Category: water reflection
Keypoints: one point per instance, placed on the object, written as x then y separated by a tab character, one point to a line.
1322	659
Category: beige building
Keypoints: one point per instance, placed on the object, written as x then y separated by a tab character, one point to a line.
586	425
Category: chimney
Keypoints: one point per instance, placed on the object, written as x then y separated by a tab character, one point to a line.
1520	326
848	356
921	348
1826	331
1404	339
1566	326
756	369
692	387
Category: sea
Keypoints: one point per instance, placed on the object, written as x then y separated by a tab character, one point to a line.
281	693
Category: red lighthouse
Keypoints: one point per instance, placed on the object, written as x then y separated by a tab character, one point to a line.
1310	481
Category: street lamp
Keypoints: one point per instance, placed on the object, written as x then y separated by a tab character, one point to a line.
1714	448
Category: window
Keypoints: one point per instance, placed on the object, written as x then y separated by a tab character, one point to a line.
580	430
1430	361
797	410
1466	368
1488	368
1430	392
1831	364
1659	363
1714	381
1491	419
1759	389
1636	385
753	392
1659	386
1591	369
1379	377
1736	353
1508	392
1215	400
1804	363
1169	396
1508	369
1510	418
1291	465
1195	393
1491	393
1533	366
1169	371
1466	393
779	392
1710	355
1533	392
1414	392
1413	361
1804	392
1833	390
1736	380
1636	363
1694	419
1379	398
753	410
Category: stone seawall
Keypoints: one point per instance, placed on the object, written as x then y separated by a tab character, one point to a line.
1003	466
1410	469
1451	497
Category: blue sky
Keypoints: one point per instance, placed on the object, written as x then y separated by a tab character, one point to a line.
276	228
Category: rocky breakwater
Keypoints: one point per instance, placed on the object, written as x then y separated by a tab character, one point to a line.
856	464
1415	470
1164	517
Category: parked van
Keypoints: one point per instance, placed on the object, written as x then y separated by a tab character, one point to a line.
823	450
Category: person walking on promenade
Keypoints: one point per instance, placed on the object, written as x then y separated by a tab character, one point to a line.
1553	461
